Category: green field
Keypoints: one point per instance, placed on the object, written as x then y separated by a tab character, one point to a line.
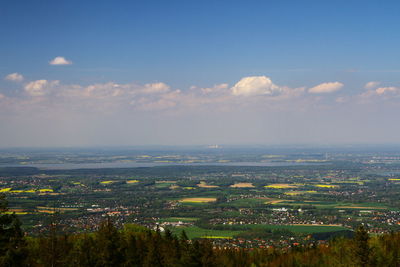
333	205
246	202
163	185
304	229
197	232
179	219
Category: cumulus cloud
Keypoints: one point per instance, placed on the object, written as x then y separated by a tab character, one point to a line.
255	85
15	77
324	88
101	90
154	88
60	61
39	87
386	90
160	96
371	85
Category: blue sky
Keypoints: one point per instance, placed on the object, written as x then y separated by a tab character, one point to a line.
119	51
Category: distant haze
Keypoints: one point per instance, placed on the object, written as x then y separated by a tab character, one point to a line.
199	73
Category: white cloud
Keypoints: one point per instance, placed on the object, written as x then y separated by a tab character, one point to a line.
386	90
255	85
60	61
15	77
326	88
371	85
111	89
215	89
40	87
2	96
102	90
154	88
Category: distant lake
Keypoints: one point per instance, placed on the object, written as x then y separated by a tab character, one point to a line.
70	166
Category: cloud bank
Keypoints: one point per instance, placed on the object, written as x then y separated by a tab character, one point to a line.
40	87
251	109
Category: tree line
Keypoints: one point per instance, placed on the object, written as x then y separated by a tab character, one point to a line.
137	246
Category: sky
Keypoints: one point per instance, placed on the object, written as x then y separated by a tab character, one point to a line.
123	73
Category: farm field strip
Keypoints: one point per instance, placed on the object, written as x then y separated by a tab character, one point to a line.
198	199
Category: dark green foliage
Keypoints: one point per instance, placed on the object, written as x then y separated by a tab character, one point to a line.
111	247
137	246
362	249
13	250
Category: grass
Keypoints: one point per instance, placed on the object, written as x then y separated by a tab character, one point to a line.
179	219
300	228
246	202
197	232
296	193
163	185
328	204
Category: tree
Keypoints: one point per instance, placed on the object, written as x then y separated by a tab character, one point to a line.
362	249
13	250
109	244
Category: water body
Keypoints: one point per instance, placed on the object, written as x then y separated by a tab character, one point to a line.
70	166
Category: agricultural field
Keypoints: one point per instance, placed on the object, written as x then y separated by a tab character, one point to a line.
309	199
196	232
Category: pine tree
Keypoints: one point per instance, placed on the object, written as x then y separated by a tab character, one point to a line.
362	250
13	251
108	243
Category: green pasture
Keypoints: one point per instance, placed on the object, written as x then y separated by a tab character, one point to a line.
333	205
197	232
163	185
179	219
246	202
303	229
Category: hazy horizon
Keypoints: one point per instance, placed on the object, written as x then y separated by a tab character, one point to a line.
90	74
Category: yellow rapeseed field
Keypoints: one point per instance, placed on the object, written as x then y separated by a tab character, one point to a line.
326	185
107	182
281	186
